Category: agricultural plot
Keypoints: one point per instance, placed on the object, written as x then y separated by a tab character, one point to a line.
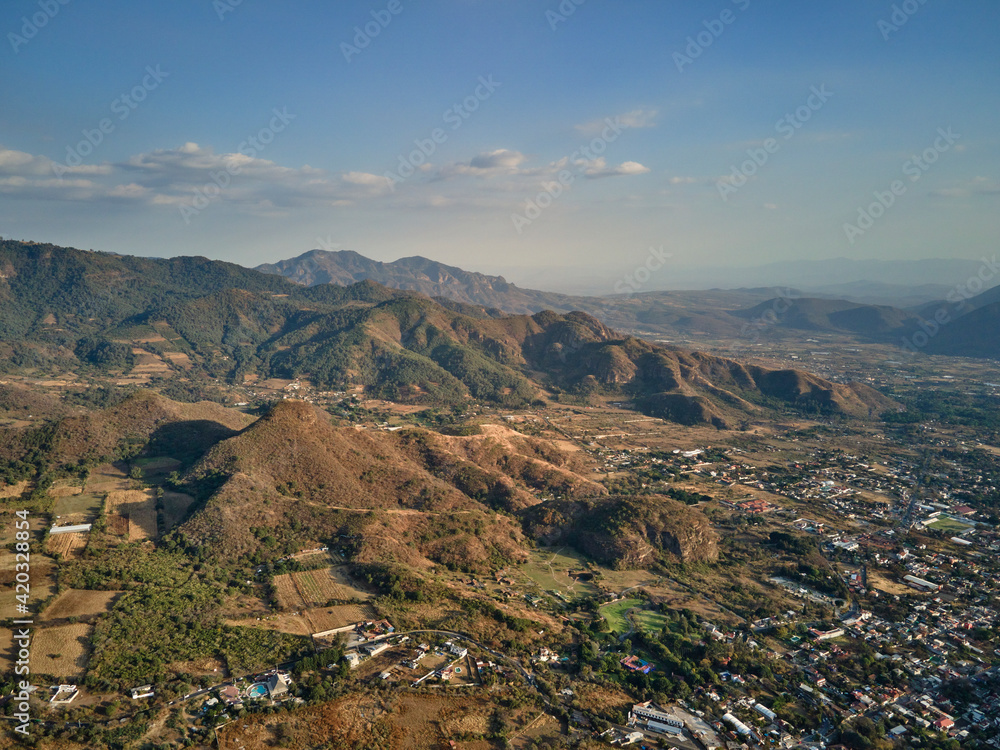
61	651
649	620
339	616
138	507
157	467
175	508
78	603
70	546
9	491
64	488
311	588
106	478
614	614
280	623
76	506
563	571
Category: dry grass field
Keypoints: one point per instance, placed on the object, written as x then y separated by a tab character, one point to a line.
286	593
9	491
413	723
61	651
70	546
328	618
62	488
78	603
281	623
139	507
106	478
311	588
7	651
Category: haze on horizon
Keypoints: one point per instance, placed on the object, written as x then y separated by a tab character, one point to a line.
546	142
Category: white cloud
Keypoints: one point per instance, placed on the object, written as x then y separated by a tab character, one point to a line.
974	186
502	161
598	168
171	177
637	118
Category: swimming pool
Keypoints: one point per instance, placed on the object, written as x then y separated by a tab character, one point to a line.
257	690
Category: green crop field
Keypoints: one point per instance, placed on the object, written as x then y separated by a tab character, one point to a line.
615	614
650	620
85	504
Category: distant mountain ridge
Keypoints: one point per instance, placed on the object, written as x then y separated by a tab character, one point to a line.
696	314
418	274
240	325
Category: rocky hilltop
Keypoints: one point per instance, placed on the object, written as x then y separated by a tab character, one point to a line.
626	532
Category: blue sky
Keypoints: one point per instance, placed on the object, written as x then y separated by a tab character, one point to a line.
176	174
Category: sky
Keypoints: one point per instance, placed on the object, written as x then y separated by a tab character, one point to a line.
546	141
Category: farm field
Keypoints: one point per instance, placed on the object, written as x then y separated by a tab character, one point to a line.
79	603
620	580
139	507
70	546
614	614
61	651
9	491
63	488
281	623
328	618
312	588
647	619
175	508
82	505
416	722
551	571
106	478
157	466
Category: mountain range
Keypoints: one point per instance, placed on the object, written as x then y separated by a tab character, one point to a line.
72	308
712	313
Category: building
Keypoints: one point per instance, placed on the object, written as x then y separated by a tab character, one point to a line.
143	691
277	685
765	712
825	635
741	728
70	529
374	649
653	718
921	584
635	664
